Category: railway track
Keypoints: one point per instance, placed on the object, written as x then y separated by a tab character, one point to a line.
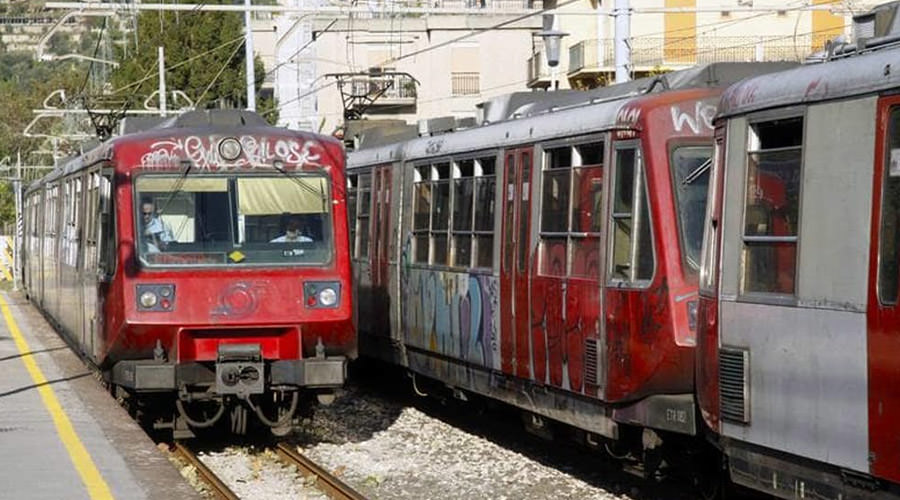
324	481
218	488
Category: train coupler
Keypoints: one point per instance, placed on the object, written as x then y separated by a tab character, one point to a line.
240	370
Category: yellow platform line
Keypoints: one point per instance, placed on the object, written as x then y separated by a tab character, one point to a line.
90	476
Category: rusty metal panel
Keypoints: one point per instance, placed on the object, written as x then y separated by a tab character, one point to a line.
834	223
807	380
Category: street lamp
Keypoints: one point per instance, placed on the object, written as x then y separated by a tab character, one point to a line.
552	41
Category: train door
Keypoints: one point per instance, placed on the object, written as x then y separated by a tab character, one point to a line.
90	260
381	229
514	258
884	297
630	266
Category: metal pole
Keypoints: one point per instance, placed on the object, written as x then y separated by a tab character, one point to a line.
162	81
248	54
622	13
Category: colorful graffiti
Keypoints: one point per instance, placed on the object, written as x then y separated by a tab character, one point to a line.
452	314
203	152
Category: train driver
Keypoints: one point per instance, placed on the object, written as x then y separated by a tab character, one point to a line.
292	234
156	233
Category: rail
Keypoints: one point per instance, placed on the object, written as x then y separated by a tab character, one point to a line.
219	488
325	481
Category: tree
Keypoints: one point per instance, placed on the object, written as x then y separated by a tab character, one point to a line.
204	58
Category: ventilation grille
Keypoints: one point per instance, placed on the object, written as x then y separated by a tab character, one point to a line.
591	361
733	385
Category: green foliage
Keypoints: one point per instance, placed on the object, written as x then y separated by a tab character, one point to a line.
215	79
24	84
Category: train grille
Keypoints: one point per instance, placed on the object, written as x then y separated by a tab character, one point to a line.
591	361
733	385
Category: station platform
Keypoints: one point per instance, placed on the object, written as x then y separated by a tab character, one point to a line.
61	434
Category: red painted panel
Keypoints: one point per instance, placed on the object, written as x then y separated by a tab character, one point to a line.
507	263
202	344
522	265
883	333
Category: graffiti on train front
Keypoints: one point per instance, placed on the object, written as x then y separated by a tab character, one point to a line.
452	314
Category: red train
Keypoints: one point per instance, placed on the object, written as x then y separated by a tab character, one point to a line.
798	371
201	264
550	261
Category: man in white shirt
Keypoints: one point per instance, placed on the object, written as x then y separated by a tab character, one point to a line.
292	234
155	232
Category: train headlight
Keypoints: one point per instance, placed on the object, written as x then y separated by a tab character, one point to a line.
322	294
155	297
148	299
327	297
229	149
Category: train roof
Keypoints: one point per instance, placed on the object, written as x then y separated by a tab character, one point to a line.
551	115
851	76
711	75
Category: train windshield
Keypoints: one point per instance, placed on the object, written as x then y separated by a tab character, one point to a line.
233	220
690	169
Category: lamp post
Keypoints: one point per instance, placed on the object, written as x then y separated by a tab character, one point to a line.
552	43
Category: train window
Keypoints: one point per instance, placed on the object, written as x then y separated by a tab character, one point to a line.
690	173
233	220
352	193
523	207
771	206
572	192
422	212
710	249
463	198
363	209
440	213
485	192
889	245
632	240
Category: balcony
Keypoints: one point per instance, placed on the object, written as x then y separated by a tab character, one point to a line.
538	72
592	62
379	92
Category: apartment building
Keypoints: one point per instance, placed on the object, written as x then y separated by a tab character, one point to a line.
414	59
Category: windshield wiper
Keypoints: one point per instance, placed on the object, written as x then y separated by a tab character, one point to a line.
297	181
179	183
697	172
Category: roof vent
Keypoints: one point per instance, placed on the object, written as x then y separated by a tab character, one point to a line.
435	126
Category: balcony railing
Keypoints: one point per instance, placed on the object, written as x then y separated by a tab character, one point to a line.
538	72
465	84
390	8
374	91
649	53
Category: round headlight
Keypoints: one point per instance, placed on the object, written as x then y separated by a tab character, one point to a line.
229	149
148	299
327	297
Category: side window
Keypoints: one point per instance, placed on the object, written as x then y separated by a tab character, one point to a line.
473	212
440	214
421	213
352	194
571	204
631	255
771	207
889	246
363	206
710	250
107	224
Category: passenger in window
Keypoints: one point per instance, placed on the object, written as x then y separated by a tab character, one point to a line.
292	234
156	234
